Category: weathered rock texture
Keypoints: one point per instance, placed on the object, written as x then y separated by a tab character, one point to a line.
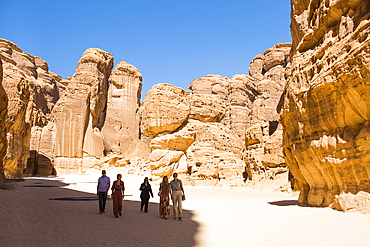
348	202
32	93
3	116
263	132
79	114
56	125
122	121
223	125
326	104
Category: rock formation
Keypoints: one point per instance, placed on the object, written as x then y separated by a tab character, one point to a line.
32	91
122	122
211	132
78	116
222	125
325	113
352	203
3	116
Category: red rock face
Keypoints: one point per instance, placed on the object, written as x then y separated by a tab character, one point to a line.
326	104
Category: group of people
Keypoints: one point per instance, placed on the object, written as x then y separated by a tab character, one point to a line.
167	190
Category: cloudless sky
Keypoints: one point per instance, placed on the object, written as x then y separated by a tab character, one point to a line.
168	41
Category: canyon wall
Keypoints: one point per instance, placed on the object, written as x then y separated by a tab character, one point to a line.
3	116
32	92
57	125
214	131
326	103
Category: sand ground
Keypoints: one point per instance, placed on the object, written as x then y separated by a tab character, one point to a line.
63	211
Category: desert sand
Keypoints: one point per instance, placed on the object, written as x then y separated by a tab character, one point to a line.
63	211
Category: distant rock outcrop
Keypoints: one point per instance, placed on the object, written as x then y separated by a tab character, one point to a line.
326	104
78	116
122	122
263	136
223	125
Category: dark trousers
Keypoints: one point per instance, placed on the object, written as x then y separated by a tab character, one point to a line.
102	200
144	202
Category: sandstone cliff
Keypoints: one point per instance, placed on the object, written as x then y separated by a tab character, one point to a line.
326	107
222	125
31	96
79	115
122	122
3	116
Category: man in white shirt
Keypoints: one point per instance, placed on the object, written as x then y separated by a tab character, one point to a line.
177	192
102	191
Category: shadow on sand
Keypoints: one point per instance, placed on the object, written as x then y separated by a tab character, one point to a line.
285	203
40	212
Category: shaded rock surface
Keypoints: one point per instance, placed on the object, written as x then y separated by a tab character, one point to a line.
3	116
32	93
326	104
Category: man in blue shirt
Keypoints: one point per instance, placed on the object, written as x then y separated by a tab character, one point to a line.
102	191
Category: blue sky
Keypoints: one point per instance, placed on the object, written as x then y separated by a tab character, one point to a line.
168	41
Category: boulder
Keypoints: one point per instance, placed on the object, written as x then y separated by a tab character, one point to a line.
166	162
206	108
164	110
348	202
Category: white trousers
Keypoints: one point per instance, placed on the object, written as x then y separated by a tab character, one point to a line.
177	203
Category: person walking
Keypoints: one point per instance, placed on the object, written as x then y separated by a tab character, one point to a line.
245	175
164	203
102	190
118	189
177	197
145	190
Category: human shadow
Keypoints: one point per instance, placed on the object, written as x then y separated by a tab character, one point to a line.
285	203
44	212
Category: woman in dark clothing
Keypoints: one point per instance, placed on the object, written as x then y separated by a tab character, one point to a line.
145	190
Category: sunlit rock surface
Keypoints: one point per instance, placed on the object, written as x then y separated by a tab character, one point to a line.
78	116
122	121
223	125
164	110
348	202
326	104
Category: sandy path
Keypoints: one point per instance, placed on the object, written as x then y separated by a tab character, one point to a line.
212	217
